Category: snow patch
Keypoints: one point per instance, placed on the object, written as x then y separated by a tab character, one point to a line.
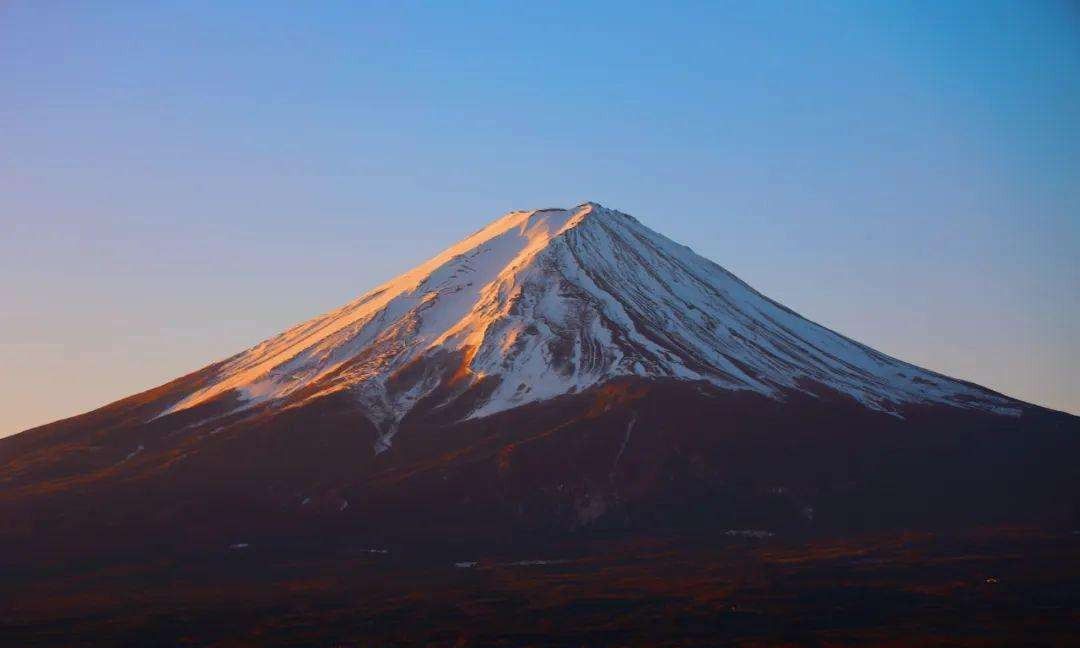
133	453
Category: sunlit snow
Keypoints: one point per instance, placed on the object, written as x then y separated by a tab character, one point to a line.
554	301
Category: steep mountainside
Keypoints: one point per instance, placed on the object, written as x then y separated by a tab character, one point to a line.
549	302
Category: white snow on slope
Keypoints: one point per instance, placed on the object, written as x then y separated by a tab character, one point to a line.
554	301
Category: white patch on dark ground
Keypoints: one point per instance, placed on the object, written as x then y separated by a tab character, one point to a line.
757	534
625	442
133	453
385	439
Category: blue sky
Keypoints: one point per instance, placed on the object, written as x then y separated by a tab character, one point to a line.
180	180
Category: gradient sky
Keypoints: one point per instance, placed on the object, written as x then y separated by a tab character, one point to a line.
181	180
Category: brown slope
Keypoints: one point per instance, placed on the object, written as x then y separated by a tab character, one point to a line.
632	456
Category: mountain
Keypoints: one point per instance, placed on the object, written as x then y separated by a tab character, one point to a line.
544	303
559	371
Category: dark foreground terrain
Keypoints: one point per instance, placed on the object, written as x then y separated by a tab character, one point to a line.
626	515
1003	587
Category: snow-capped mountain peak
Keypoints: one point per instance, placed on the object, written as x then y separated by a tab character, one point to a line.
548	302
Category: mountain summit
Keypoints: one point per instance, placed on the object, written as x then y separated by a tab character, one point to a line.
549	302
559	370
